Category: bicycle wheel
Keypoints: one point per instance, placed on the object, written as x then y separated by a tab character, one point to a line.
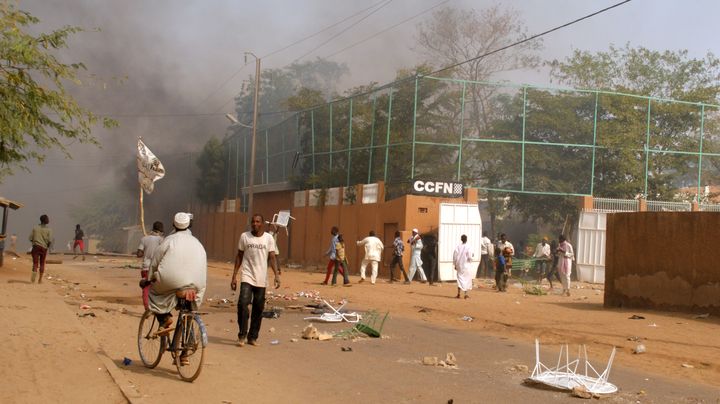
189	347
150	345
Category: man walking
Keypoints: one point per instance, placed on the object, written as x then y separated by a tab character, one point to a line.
566	256
145	250
332	255
255	250
416	246
486	251
78	242
462	256
398	250
542	256
373	254
41	238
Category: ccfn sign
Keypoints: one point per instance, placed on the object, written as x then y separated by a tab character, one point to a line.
442	188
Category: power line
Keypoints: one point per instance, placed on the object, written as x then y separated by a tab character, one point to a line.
344	30
388	28
321	31
465	61
532	37
232	76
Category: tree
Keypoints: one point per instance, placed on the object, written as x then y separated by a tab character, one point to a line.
453	36
623	120
212	163
36	111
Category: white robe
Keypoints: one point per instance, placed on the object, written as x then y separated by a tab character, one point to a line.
461	259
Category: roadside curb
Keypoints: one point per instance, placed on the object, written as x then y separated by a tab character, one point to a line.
128	390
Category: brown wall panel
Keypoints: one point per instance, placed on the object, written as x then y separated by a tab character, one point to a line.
663	260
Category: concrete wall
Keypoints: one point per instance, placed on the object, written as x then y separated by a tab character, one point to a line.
309	236
663	260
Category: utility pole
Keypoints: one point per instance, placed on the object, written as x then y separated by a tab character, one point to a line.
254	136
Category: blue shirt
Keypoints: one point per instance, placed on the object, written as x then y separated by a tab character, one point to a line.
500	263
332	252
399	247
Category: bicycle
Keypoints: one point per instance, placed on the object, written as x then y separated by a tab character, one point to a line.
187	345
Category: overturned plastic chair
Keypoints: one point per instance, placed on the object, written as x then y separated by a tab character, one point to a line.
370	325
336	316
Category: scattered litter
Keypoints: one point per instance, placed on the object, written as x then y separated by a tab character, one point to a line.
687	365
346	349
85	307
226	402
310	332
634	339
294	340
706	315
324	336
271	314
127	361
466	318
123	310
424	310
519	368
274	342
450	359
272	329
294	307
430	361
639	348
652	325
582	392
636	317
86	314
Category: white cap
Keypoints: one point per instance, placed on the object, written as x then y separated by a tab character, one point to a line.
182	220
415	231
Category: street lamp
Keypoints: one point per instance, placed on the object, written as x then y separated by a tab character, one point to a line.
234	120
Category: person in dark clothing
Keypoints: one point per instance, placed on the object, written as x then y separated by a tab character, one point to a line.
398	249
430	257
500	271
78	242
553	272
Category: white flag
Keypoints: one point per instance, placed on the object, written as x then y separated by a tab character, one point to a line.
150	169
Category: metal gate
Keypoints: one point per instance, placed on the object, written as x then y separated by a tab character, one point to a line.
455	220
590	249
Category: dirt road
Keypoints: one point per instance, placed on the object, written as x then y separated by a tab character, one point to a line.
51	360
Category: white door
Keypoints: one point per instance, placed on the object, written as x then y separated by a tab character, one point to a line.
455	220
590	249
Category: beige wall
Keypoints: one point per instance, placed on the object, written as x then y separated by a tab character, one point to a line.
663	260
310	231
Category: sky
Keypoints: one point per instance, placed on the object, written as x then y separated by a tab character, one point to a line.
185	58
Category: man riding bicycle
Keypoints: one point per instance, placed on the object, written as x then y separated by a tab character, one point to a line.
178	270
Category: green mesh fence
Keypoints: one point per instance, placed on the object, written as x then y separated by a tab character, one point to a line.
492	136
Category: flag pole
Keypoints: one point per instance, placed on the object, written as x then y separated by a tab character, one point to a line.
142	212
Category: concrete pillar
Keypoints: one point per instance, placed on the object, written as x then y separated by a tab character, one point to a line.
585	203
471	195
695	206
642	205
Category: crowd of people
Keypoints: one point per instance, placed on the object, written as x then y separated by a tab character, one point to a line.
175	266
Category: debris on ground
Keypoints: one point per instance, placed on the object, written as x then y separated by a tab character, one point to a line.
310	332
424	310
85	307
294	340
581	392
346	349
323	336
449	362
687	365
466	318
639	348
274	342
127	361
87	314
706	315
652	325
272	329
636	317
518	368
634	339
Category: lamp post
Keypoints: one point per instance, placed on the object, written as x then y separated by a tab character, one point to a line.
251	185
254	134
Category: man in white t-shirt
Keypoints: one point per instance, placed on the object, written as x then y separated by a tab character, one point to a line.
373	254
256	249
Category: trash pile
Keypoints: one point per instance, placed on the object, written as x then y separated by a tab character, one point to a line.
449	362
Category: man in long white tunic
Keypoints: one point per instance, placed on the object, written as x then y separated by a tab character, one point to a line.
416	246
179	264
462	257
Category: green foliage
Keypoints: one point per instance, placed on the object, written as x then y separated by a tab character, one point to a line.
36	111
103	215
212	162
